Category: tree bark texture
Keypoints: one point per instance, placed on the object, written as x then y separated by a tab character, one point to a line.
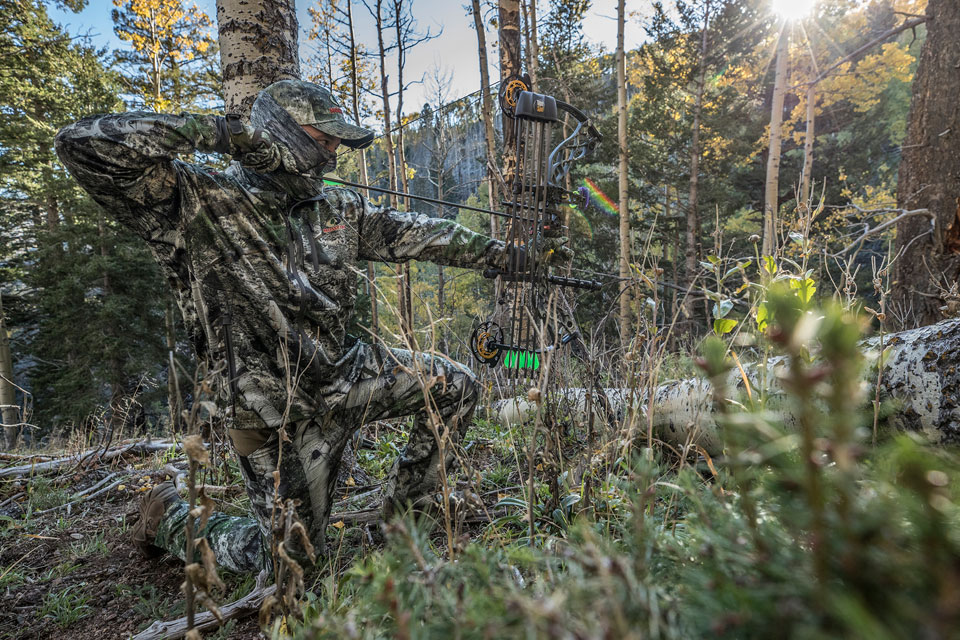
771	197
364	178
533	46
9	412
806	179
258	46
510	64
406	310
921	375
626	331
930	175
487	109
692	256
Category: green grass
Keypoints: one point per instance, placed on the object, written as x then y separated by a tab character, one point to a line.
377	462
42	494
149	603
758	543
67	606
90	545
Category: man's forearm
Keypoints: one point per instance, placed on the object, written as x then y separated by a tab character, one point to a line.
397	236
137	140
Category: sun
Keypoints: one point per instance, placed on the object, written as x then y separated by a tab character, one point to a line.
793	9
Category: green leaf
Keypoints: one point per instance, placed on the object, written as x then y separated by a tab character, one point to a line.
804	288
762	316
769	265
722	308
713	260
722	326
740	267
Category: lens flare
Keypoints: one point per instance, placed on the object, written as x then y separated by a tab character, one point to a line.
793	9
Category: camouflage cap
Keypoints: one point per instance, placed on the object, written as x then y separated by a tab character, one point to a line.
313	105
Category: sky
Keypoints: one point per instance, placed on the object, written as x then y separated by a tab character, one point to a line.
453	51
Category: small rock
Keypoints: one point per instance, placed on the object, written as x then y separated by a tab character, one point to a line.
76	536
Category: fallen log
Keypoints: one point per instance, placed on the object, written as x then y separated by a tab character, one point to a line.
247	605
921	374
87	456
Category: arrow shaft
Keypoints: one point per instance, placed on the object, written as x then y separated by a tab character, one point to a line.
403	194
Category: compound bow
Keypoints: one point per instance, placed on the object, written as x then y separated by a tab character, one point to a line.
535	317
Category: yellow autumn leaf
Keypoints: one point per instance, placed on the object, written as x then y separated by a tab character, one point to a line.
338	524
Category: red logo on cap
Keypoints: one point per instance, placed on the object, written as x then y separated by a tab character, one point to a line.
336	110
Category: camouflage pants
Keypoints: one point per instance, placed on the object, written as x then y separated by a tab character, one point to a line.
391	385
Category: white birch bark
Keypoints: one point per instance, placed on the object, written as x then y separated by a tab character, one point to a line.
772	187
626	331
921	375
258	46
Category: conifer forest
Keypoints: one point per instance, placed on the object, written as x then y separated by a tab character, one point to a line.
480	319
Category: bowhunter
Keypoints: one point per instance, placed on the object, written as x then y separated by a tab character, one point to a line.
264	274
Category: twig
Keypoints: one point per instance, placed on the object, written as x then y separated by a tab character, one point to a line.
29	456
96	486
358	497
870	231
83	499
210	489
12	499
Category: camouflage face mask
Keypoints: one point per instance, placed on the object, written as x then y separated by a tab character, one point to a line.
312	159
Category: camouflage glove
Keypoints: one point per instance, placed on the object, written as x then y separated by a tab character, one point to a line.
255	149
555	252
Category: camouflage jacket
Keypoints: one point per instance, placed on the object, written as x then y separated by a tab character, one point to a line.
245	262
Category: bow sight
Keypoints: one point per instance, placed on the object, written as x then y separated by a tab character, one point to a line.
546	147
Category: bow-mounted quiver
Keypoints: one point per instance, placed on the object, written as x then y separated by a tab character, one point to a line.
531	322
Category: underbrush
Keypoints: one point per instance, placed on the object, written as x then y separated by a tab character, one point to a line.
797	530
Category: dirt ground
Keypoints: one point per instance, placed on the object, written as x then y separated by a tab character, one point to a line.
77	575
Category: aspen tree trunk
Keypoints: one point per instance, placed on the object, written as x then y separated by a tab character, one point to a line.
806	179
405	278
921	377
486	106
534	66
509	32
388	142
772	188
364	178
258	46
626	330
693	213
930	178
9	411
807	176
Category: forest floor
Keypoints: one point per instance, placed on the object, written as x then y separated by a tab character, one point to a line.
77	573
73	570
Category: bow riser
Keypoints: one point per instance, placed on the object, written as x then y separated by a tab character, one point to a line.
536	187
